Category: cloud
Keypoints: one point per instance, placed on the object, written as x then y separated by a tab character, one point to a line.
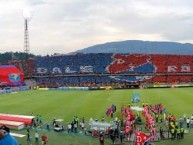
34	2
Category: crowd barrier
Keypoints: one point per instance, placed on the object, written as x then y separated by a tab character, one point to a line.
24	88
172	85
14	89
163	85
66	88
80	88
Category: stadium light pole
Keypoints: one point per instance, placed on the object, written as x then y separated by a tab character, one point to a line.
27	15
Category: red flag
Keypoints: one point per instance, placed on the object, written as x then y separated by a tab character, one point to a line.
141	138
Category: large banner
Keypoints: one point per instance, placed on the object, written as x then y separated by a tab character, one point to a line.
10	75
136	67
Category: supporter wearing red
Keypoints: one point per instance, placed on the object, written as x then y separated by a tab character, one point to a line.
101	138
44	139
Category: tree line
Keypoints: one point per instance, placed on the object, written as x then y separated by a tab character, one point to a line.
7	56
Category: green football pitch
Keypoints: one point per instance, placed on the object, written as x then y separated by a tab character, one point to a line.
87	104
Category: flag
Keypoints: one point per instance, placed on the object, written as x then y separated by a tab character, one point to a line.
135	98
109	111
164	110
141	138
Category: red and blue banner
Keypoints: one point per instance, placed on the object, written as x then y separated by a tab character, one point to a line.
141	138
10	75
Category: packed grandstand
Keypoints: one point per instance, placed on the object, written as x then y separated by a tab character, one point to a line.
108	69
100	71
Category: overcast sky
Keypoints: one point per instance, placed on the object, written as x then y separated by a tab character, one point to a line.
63	26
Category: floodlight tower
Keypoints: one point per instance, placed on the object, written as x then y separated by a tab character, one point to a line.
27	17
26	37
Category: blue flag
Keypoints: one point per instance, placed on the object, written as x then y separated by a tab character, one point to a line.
135	98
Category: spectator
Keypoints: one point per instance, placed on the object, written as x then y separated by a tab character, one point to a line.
5	128
192	117
2	133
83	125
101	139
36	136
182	132
75	127
161	133
7	139
48	126
44	139
28	136
178	132
121	135
103	119
188	122
69	127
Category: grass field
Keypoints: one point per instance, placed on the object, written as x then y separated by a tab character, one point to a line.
66	104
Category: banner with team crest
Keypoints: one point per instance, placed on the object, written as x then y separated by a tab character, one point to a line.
9	75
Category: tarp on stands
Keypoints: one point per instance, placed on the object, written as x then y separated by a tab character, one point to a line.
10	75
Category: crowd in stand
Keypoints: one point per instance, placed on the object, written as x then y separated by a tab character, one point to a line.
94	69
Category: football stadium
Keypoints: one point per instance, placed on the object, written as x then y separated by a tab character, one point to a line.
79	98
131	83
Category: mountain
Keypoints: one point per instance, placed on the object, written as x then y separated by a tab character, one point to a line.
138	46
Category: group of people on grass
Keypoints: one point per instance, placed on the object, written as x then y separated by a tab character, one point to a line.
76	124
44	138
37	121
125	127
189	121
